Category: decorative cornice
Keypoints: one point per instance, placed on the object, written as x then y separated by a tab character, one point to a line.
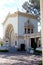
21	14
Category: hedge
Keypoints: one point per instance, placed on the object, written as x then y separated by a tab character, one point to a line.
3	50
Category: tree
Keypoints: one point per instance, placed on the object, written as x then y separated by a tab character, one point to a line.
32	7
36	3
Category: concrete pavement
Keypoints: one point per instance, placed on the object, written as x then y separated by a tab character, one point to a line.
19	58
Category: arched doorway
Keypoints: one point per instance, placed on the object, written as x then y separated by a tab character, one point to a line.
9	33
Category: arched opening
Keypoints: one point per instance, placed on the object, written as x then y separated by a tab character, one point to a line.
9	33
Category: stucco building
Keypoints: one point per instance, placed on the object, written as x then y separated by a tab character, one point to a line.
21	30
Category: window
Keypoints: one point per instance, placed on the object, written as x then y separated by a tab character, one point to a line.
15	42
28	30
31	30
25	30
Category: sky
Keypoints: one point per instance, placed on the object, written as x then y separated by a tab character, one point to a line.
7	6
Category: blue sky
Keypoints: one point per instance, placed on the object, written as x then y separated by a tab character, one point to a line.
7	6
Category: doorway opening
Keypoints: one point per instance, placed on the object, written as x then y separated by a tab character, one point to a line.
32	42
22	47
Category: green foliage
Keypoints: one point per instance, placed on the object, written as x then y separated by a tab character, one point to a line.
36	3
33	7
1	43
3	50
40	63
38	51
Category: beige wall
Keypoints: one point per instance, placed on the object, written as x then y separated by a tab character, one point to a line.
14	22
22	20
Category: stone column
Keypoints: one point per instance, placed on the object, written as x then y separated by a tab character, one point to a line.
41	9
37	42
29	42
26	42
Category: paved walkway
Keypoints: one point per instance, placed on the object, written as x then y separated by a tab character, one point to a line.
19	59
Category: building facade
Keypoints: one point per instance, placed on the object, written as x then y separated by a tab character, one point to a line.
21	30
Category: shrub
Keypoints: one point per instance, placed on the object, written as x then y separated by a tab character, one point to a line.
1	43
40	63
38	51
3	50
